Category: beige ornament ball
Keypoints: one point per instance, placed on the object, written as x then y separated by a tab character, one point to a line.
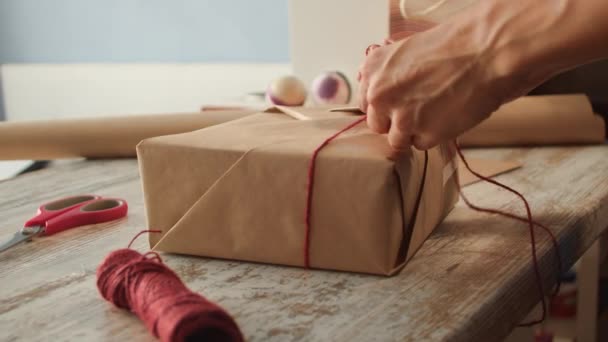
286	91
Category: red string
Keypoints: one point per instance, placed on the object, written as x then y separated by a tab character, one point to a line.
528	219
311	181
310	187
140	234
144	285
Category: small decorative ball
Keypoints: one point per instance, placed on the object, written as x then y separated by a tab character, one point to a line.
286	91
331	87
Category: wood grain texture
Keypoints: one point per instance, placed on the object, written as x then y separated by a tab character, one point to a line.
472	279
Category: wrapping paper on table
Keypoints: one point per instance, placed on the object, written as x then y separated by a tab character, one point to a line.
238	191
539	120
107	137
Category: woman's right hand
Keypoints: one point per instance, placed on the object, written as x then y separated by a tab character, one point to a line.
434	85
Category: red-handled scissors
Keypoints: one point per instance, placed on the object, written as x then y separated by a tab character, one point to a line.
66	213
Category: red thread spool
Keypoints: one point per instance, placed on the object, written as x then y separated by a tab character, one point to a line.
153	292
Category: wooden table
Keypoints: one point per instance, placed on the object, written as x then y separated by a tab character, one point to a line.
471	281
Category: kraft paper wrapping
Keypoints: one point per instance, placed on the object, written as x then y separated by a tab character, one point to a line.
108	137
539	120
485	167
238	191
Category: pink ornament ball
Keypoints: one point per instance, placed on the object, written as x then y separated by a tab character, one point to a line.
286	91
331	88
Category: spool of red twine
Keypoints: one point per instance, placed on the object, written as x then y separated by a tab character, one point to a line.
144	285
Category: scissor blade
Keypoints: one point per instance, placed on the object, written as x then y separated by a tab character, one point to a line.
19	237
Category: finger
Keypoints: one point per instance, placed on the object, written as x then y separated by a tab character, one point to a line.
402	35
396	154
424	142
371	48
363	89
363	86
360	71
399	138
388	41
378	121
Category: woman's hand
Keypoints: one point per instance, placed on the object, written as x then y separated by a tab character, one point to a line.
432	86
428	88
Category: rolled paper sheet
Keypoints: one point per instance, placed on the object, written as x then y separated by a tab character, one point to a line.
539	120
104	137
534	120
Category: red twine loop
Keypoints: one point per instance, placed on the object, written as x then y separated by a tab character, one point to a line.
310	187
144	285
531	223
311	181
528	219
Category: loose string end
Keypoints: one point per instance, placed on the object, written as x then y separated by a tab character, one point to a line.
142	233
531	222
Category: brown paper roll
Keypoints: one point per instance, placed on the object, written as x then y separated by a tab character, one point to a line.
539	120
98	137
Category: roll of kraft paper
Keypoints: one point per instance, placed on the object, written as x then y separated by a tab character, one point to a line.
539	120
107	137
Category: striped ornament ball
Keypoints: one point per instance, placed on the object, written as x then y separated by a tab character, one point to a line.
331	88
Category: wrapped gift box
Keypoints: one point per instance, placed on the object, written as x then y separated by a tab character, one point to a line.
239	190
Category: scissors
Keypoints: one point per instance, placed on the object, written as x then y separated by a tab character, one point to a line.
66	213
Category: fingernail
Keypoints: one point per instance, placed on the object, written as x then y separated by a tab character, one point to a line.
371	48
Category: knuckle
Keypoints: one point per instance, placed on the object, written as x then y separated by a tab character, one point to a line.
363	71
377	124
403	120
372	124
374	99
398	143
425	142
363	107
374	95
398	140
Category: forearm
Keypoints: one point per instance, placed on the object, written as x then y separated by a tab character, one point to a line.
436	84
531	41
579	36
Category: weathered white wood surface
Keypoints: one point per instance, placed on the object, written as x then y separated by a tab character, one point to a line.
471	281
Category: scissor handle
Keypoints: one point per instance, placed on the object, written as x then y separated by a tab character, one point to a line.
52	209
97	211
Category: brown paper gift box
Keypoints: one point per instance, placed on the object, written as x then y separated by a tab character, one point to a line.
238	191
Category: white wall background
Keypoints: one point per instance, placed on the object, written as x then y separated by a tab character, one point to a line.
148	31
43	91
67	58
